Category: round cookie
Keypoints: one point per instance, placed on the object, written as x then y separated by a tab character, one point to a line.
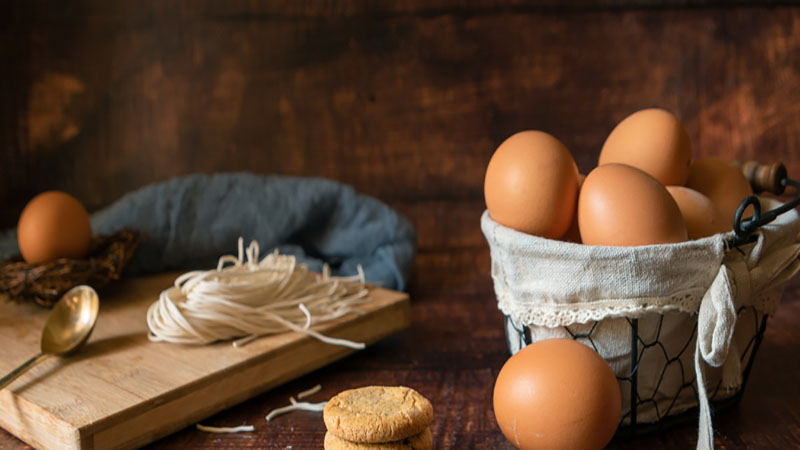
422	441
376	414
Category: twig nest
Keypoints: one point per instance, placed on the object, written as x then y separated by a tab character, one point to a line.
44	283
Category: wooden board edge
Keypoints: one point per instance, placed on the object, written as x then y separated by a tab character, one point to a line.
152	420
35	426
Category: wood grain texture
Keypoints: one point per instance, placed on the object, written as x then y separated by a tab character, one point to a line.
405	106
406	101
123	391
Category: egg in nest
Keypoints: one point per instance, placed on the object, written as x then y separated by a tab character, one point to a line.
53	225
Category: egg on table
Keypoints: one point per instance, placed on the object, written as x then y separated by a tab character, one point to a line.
531	185
53	225
557	394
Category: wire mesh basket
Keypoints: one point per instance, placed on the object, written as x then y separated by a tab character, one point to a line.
651	350
652	353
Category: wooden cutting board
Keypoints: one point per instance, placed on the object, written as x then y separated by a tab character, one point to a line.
123	391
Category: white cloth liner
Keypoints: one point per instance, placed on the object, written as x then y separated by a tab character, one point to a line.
549	285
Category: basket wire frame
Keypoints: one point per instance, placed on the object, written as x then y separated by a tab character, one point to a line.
666	417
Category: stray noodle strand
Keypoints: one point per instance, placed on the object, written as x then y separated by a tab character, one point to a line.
239	429
298	406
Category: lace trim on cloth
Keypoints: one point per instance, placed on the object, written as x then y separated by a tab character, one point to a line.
565	315
559	315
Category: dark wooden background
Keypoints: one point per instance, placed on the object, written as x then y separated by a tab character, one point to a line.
406	101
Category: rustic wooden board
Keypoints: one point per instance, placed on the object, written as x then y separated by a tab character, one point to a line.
123	391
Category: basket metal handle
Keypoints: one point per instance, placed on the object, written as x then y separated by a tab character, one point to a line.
763	178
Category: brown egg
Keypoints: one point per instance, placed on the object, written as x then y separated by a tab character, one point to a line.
557	394
53	225
620	205
653	140
723	183
531	185
573	234
701	216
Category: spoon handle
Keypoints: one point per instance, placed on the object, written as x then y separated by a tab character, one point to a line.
14	374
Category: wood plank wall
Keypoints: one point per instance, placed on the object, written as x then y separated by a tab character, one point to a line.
404	100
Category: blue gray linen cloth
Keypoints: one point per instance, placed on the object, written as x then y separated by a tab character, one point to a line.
189	222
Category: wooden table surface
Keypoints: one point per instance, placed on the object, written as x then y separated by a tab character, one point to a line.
452	354
405	101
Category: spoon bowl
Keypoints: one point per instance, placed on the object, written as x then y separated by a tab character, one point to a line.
71	321
68	327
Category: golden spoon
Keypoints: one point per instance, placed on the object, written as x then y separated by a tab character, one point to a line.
68	327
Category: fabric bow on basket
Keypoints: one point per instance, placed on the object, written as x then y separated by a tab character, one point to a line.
767	264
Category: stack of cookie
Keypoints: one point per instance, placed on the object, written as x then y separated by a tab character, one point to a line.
378	418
